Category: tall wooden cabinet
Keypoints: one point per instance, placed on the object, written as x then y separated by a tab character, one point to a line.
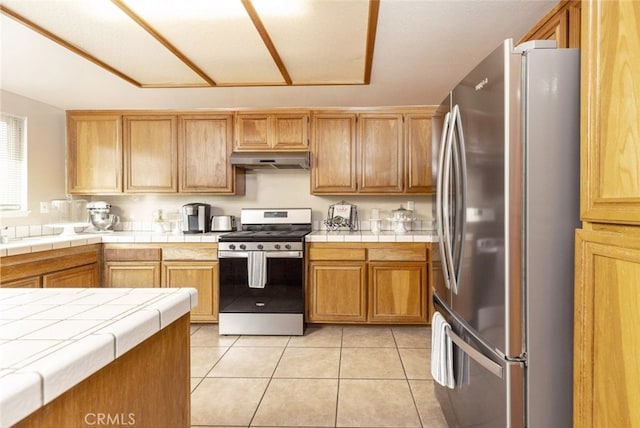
94	153
150	154
561	24
607	289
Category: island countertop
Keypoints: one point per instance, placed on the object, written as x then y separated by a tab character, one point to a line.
52	339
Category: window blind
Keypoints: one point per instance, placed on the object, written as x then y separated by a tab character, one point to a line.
13	163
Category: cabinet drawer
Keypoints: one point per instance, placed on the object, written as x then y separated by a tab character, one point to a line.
134	254
189	253
358	254
404	253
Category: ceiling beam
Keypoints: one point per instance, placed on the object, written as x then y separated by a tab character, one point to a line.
257	22
374	7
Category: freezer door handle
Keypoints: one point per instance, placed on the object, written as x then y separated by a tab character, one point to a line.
477	356
439	198
461	197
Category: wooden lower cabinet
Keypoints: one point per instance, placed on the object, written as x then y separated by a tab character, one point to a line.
606	340
78	277
132	274
66	267
203	276
337	292
397	292
368	283
167	265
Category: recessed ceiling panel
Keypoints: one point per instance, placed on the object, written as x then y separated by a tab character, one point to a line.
102	30
217	36
322	42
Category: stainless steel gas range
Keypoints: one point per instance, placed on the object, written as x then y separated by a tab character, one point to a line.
262	273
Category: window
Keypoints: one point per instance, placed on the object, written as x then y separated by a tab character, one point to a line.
13	163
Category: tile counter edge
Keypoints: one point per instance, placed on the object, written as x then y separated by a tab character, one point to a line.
41	375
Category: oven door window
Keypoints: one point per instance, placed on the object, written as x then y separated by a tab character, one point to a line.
282	293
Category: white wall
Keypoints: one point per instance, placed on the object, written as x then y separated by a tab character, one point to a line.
45	154
265	189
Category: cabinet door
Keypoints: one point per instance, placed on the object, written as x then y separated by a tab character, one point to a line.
202	276
94	153
205	142
78	277
333	146
290	132
253	132
610	116
606	339
150	154
418	153
337	292
380	163
397	292
561	24
132	274
22	283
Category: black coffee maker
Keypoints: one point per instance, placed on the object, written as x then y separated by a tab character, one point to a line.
196	218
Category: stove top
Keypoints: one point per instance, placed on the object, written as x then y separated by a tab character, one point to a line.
264	235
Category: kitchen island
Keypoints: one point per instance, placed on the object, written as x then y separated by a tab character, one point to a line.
85	356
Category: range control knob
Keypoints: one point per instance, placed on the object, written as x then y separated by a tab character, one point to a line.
243	247
276	246
287	246
232	247
260	246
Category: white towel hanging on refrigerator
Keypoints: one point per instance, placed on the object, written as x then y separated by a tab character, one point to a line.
257	269
441	352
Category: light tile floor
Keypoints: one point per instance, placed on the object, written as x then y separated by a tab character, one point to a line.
333	376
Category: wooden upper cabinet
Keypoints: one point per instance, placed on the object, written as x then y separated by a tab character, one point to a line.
272	131
610	169
205	142
333	145
561	24
94	153
150	153
380	146
418	153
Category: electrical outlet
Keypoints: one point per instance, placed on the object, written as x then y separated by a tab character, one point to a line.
44	207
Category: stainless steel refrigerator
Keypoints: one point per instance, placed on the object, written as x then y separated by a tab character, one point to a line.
507	207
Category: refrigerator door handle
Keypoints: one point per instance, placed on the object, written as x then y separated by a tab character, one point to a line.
448	242
439	199
461	195
476	355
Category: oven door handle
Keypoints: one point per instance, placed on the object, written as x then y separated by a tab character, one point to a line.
268	254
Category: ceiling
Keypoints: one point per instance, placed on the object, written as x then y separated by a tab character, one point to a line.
124	54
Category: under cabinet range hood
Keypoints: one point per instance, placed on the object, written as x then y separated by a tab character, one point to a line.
271	160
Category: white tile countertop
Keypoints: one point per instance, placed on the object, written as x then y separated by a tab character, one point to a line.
368	236
53	242
52	339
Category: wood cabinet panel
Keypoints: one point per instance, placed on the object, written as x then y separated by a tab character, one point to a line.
337	292
78	277
398	252
128	254
44	262
35	282
562	24
418	153
150	153
132	274
333	145
94	153
607	302
397	292
205	143
337	253
381	162
190	252
265	131
610	114
203	276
